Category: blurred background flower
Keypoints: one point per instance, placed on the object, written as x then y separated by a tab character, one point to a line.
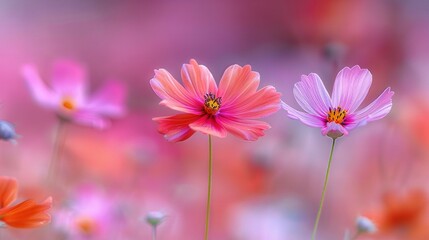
277	178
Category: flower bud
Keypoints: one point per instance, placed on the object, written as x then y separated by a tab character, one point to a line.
154	218
7	131
365	225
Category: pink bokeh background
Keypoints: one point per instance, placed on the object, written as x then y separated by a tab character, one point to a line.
264	190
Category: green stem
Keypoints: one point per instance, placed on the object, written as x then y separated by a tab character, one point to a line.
209	190
355	236
56	152
154	233
319	212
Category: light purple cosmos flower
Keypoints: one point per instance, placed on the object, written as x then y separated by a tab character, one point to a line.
338	114
68	95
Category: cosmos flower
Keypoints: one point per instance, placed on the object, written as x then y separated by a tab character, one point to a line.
338	114
68	95
232	107
402	214
27	214
88	214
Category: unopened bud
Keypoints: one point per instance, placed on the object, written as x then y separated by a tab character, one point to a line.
154	218
365	225
7	131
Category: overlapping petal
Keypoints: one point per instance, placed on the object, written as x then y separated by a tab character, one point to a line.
260	104
198	80
246	129
306	118
338	115
376	110
173	94
230	108
27	214
8	191
311	95
351	87
334	130
237	84
109	100
90	119
176	128
209	125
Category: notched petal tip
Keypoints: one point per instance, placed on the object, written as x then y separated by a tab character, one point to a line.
192	61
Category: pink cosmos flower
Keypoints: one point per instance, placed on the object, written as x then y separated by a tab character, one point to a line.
207	108
89	214
338	114
68	95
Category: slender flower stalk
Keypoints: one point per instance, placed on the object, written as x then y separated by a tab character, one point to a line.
232	107
154	219
209	189
154	233
339	114
325	184
59	141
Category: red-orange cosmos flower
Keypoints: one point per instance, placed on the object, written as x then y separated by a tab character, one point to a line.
403	216
27	214
232	107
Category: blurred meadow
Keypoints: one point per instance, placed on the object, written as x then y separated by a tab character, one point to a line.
107	181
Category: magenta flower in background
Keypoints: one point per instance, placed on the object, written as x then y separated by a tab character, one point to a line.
232	107
68	95
89	214
338	114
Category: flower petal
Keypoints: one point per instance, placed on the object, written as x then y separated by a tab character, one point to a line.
208	124
174	95
69	80
351	87
27	214
176	128
311	95
246	129
38	89
307	119
237	83
109	100
90	119
198	80
334	130
263	103
379	108
8	191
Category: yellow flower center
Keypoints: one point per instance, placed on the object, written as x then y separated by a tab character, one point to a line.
212	103
68	104
86	225
336	115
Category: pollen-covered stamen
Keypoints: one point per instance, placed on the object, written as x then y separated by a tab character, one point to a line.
68	104
212	103
336	115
